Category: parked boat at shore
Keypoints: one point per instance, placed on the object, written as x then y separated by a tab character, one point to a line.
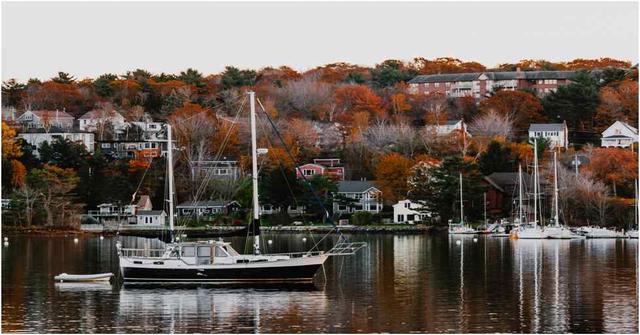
558	231
532	230
461	227
217	262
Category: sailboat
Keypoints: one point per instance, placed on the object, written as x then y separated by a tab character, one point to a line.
558	231
461	228
215	261
533	230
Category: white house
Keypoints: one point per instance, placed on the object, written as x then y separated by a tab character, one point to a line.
406	211
363	196
448	127
206	208
36	139
46	119
152	218
92	120
556	133
619	134
150	129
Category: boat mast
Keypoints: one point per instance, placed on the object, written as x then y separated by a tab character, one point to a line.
535	183
461	206
555	189
519	193
576	163
170	175
254	174
485	208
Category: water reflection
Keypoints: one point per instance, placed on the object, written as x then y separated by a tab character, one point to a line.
403	283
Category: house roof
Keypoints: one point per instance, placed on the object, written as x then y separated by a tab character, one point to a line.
151	212
623	124
547	127
205	203
51	114
100	113
506	75
355	186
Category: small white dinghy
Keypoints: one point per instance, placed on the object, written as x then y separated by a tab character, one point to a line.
64	277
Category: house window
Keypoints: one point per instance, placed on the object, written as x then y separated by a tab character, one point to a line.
411	217
308	172
400	217
222	172
407	205
436	84
342	207
357	195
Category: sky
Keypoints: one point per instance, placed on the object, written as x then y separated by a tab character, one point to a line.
89	39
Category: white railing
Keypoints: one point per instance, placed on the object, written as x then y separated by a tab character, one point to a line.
146	253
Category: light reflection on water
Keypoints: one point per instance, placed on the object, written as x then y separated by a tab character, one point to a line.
401	283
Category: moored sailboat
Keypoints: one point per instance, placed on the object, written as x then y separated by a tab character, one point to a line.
217	261
533	230
558	231
461	227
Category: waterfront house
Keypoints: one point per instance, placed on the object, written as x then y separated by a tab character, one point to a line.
329	167
268	209
206	209
224	168
556	133
356	196
448	127
151	218
619	134
97	119
131	149
36	138
407	211
46	119
480	85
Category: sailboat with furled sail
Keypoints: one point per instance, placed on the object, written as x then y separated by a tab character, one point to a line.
215	261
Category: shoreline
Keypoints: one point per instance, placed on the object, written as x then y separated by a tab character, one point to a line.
216	230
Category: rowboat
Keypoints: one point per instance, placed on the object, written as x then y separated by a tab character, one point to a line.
64	277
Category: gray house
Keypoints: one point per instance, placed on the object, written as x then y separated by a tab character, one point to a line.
356	196
206	208
556	133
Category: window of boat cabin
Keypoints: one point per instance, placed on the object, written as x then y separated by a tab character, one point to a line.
220	252
204	254
188	251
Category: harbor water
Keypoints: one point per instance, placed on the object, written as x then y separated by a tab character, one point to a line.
399	283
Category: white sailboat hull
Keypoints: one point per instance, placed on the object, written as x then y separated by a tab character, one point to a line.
561	233
531	233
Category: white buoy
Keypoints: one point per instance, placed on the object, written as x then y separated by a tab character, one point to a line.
101	237
75	240
475	239
6	244
6	239
304	239
458	242
270	242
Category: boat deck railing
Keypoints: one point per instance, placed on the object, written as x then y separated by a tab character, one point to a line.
146	253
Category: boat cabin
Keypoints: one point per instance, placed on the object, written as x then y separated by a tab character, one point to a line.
204	252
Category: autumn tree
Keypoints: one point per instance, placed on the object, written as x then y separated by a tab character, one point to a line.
54	185
305	97
618	102
10	147
489	126
445	65
616	167
391	175
522	107
351	99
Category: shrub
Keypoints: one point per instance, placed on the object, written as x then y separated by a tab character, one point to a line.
362	218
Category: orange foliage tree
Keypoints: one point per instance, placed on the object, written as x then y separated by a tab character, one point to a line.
618	102
445	65
351	99
391	174
617	167
18	173
523	107
10	148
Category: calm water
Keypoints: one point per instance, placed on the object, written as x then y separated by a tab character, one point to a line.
408	283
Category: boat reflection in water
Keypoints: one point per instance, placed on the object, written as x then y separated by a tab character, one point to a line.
169	309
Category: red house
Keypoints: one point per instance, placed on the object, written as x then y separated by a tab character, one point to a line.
329	167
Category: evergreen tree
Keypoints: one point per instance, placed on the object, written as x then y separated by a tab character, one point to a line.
497	158
437	188
64	78
576	103
234	77
172	102
12	92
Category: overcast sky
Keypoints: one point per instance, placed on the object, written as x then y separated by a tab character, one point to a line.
88	39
